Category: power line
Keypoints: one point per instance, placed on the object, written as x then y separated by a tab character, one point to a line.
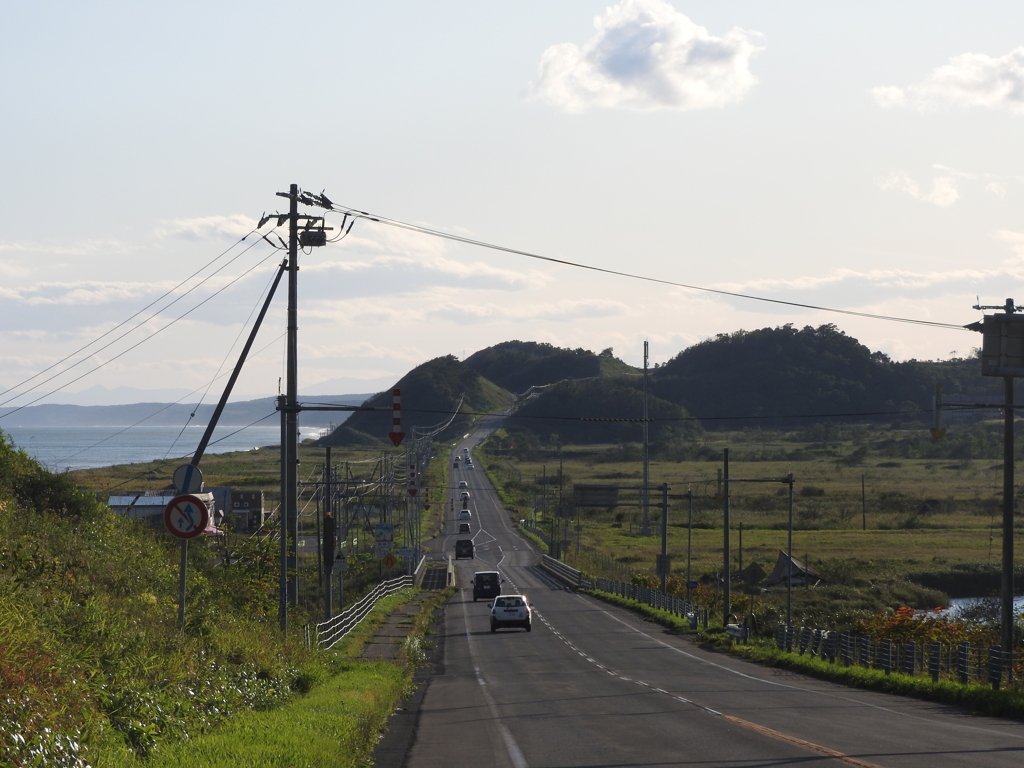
482	244
159	410
132	317
139	343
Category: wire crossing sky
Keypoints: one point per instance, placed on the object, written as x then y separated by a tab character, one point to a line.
865	159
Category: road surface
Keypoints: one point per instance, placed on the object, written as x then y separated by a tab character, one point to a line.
594	685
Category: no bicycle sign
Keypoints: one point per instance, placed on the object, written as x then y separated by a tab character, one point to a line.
186	516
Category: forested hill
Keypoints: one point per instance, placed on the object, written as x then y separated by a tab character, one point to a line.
519	365
603	410
786	371
429	394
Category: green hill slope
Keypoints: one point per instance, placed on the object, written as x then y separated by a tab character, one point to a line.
519	365
786	372
562	407
430	392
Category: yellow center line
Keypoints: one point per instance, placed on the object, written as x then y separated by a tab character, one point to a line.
800	742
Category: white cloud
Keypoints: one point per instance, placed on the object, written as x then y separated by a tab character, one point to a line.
943	193
1015	240
648	56
968	80
207	227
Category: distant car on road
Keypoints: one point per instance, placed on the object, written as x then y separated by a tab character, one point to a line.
455	464
463	494
463	484
463	548
511	611
465	514
463	527
486	584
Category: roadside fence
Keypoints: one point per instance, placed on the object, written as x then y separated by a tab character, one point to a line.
960	661
676	605
652	597
328	633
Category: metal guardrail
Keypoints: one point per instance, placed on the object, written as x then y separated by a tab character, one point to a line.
328	633
676	605
962	661
421	568
565	572
535	531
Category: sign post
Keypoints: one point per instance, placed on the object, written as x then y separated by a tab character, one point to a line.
185	517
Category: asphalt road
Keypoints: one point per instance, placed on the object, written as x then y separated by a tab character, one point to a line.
593	685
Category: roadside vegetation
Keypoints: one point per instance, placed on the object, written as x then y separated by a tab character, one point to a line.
96	671
884	522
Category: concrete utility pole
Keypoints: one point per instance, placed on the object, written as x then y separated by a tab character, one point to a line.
1002	354
645	515
726	556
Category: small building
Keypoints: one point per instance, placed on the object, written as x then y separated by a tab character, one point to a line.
150	505
246	513
790	570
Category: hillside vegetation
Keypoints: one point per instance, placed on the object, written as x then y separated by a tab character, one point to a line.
94	663
430	393
783	373
519	365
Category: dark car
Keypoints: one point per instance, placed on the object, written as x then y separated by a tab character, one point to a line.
463	548
486	585
463	527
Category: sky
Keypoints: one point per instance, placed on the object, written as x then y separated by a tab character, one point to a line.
864	157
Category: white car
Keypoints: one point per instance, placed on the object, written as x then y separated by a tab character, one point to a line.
465	514
463	484
511	611
464	495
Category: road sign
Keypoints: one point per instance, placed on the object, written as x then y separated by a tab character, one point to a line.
384	533
341	563
186	516
390	561
407	553
188	478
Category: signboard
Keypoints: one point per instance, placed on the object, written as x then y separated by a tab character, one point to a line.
595	495
186	516
188	478
1002	348
384	539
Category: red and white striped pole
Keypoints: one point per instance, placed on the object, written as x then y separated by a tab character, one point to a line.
412	480
396	434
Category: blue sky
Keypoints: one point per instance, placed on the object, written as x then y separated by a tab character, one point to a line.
866	157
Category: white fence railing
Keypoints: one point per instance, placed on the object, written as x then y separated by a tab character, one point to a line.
330	632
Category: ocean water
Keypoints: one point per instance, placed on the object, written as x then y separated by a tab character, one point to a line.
62	448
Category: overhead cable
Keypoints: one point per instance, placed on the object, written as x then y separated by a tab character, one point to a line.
482	244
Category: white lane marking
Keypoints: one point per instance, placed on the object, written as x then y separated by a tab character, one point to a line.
514	753
803	690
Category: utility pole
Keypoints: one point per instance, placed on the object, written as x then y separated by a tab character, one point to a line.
789	551
727	577
645	517
689	541
663	561
1002	354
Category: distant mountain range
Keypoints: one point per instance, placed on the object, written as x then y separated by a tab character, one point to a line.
238	414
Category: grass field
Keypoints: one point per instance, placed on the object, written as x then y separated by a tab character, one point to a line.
882	528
